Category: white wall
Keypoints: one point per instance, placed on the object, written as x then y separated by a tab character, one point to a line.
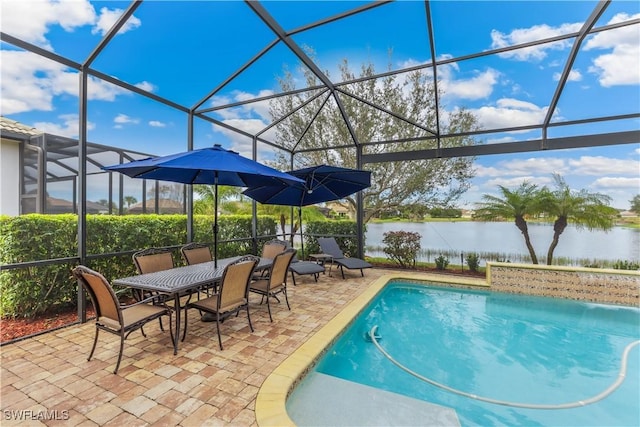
9	177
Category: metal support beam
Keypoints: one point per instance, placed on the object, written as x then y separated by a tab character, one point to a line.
582	34
297	50
599	140
82	186
112	32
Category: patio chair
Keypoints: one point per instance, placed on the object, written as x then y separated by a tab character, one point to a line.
232	295
152	260
113	317
276	280
197	253
329	246
272	248
269	250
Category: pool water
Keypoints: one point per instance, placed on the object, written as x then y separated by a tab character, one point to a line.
508	347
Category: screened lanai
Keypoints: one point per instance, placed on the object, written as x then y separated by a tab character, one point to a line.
291	83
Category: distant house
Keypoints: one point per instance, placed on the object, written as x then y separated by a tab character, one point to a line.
57	206
165	206
340	210
468	213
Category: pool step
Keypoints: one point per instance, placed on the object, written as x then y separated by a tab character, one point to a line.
324	400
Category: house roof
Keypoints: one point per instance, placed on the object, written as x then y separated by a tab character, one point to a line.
11	128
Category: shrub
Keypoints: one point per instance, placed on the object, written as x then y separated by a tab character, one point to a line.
345	232
626	265
442	262
473	261
402	247
30	290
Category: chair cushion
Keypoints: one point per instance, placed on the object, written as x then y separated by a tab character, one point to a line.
352	263
306	267
210	304
262	285
140	312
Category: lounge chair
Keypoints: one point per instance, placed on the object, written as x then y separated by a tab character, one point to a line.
232	295
329	246
275	281
305	267
301	267
113	317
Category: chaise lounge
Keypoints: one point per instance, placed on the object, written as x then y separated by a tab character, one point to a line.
329	246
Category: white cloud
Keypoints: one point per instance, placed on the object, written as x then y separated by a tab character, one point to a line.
599	165
620	66
259	109
30	82
124	119
480	86
68	126
525	35
157	124
516	181
501	140
574	76
108	18
252	126
523	167
144	85
30	20
618	183
510	112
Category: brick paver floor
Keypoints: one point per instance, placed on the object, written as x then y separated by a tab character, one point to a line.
47	380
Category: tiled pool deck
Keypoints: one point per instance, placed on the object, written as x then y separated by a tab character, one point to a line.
49	377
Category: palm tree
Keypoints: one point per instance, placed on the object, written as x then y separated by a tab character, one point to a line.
130	200
518	204
583	209
207	194
635	204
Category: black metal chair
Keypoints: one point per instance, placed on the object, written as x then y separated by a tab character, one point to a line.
232	295
276	280
113	317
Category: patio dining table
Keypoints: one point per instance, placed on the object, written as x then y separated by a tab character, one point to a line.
176	281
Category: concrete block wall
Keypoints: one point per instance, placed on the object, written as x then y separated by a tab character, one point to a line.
599	285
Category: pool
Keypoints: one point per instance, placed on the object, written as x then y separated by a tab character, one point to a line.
510	348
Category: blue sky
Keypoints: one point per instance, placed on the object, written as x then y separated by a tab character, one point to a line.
183	50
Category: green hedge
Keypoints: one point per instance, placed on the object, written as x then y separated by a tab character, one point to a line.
345	232
26	292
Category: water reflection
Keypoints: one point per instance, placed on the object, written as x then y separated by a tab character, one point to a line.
620	243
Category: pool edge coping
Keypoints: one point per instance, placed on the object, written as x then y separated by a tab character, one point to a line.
270	407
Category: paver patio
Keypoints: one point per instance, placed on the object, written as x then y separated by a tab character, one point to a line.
49	377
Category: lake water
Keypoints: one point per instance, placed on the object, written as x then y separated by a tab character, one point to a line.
620	243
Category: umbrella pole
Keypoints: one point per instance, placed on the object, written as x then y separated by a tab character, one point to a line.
301	231
215	222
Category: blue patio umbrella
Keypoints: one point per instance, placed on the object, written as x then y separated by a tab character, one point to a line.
323	183
214	166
